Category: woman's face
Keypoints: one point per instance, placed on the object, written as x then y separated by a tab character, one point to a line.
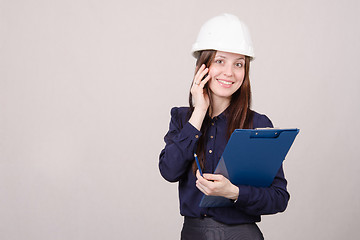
227	73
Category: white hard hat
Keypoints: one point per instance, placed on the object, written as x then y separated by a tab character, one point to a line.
224	33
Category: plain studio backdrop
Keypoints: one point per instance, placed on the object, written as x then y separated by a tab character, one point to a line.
86	88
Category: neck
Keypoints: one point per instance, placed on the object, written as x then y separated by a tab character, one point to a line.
219	105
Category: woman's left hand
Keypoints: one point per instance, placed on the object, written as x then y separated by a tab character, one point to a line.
216	185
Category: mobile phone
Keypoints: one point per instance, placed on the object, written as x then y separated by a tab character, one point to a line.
204	77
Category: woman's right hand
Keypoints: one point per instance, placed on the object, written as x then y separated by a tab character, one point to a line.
200	97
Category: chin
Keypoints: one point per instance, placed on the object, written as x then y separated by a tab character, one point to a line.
223	94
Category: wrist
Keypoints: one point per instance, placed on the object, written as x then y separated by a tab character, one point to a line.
234	193
197	118
200	110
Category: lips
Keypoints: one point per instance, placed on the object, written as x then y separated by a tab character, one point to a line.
225	83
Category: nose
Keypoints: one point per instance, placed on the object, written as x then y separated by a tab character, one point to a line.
228	71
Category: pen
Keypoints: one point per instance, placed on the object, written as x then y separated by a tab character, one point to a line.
198	164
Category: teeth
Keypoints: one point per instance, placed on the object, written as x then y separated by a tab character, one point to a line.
224	82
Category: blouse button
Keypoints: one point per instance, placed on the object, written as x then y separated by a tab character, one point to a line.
211	136
196	136
210	151
212	124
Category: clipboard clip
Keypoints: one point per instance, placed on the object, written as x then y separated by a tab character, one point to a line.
268	133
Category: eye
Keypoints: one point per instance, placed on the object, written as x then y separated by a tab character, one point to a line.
219	61
239	65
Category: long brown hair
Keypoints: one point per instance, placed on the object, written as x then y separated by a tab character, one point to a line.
238	113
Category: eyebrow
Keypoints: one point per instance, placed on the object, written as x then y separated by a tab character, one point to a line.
240	58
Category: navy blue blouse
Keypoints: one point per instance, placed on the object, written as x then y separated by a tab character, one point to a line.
176	161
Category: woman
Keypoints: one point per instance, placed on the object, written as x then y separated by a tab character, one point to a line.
219	103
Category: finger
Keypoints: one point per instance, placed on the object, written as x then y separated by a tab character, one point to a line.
202	188
201	179
205	184
208	188
198	174
201	68
199	77
213	177
203	73
204	81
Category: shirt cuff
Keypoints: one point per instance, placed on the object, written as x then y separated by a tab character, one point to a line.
243	198
191	131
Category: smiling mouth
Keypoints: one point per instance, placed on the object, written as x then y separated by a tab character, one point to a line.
225	82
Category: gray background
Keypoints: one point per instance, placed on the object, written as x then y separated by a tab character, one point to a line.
86	89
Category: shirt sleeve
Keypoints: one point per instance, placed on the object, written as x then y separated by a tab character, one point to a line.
268	200
261	201
178	153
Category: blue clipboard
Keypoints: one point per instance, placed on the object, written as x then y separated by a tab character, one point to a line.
252	157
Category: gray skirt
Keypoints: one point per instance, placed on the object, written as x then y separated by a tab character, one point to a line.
208	229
